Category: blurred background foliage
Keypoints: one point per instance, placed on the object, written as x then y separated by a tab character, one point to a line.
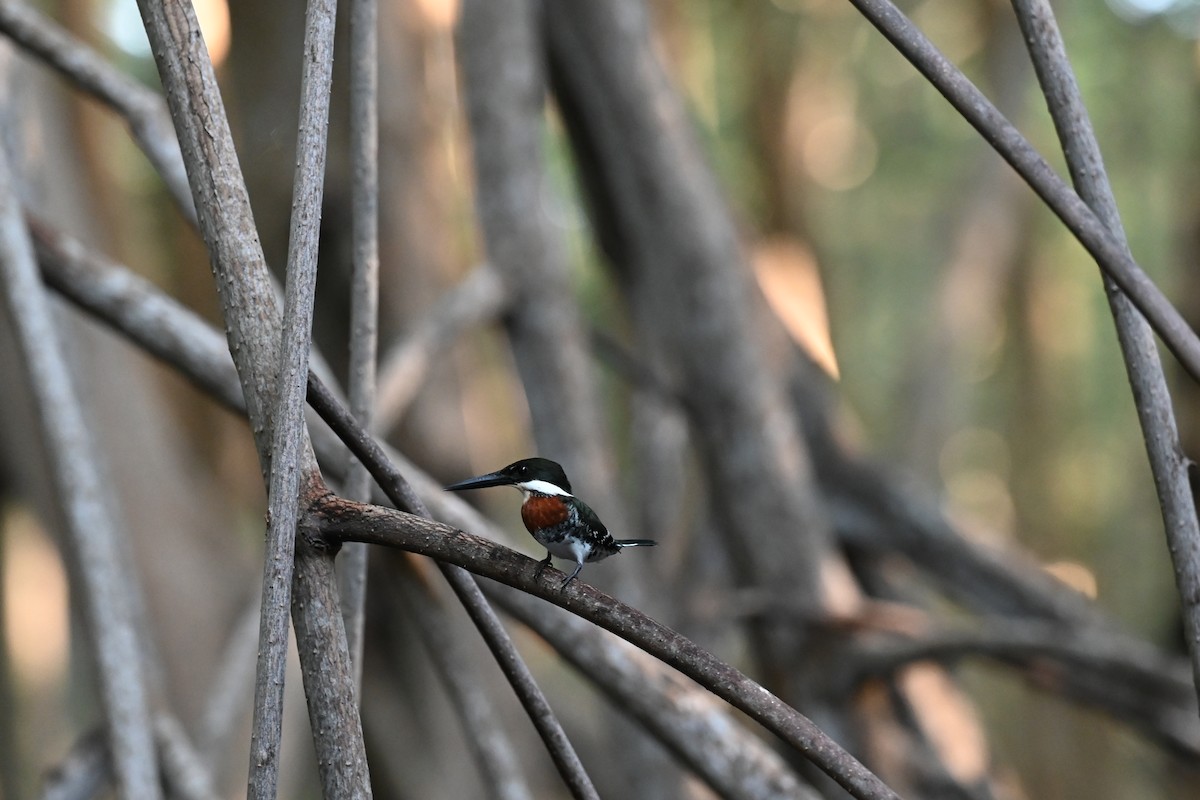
968	330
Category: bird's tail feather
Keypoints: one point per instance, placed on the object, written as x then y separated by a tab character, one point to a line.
635	542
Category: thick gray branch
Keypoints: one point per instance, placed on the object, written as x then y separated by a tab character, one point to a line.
294	479
254	331
252	317
102	576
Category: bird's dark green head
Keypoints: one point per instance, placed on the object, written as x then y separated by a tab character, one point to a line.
539	475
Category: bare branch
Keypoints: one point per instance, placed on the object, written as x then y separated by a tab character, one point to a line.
143	109
159	324
1091	232
91	536
1151	397
252	317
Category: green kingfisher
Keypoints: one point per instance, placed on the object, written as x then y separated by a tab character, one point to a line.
561	522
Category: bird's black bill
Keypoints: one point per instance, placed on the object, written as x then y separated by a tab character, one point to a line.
481	482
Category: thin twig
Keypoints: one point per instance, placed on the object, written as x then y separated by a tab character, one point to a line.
1151	396
103	578
142	109
289	471
478	299
1091	232
364	296
398	490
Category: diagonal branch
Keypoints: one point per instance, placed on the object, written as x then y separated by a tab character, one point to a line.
341	520
486	737
479	298
143	109
1151	397
253	319
697	727
1091	232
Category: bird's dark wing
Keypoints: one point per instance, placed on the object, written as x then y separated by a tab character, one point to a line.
589	518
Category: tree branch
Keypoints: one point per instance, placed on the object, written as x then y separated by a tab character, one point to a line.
288	474
143	109
700	730
486	737
91	542
253	328
364	295
479	298
341	520
1091	232
1151	397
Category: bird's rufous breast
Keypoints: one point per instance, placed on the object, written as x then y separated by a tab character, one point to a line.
543	512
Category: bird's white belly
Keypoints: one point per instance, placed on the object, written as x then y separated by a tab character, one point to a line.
573	549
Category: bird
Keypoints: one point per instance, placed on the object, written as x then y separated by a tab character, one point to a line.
557	519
